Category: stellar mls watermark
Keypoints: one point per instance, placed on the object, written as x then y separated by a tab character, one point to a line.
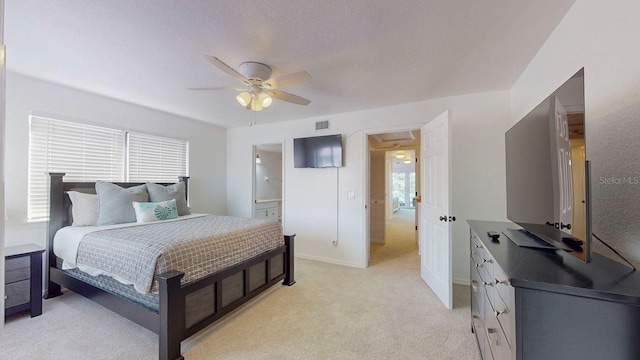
620	180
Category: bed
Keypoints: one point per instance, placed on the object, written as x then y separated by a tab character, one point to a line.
173	308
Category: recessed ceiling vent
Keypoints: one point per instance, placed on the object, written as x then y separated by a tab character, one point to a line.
322	125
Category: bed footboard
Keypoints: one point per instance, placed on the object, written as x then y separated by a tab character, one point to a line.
188	309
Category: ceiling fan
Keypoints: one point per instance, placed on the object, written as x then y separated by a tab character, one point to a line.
259	89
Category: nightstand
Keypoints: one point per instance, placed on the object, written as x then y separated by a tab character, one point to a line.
23	279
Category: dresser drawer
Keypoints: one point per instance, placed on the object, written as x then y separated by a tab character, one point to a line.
478	290
17	269
505	317
497	343
17	263
481	333
496	337
17	293
504	304
18	274
503	287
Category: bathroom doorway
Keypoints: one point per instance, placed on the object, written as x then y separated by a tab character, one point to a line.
267	182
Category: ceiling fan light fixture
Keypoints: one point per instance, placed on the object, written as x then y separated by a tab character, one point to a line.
265	99
407	161
256	105
400	154
244	98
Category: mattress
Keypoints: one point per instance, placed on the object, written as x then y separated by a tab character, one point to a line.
196	245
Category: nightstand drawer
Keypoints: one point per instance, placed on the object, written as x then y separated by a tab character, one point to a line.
17	293
17	263
19	274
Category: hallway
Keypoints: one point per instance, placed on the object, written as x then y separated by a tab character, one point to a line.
400	243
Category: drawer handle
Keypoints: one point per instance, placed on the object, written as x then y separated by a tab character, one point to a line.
493	337
500	312
498	282
487	260
478	265
487	283
474	286
477	246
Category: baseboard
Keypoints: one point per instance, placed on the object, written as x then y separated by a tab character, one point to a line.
327	260
461	281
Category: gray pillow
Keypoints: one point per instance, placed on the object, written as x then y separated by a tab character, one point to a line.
116	202
176	191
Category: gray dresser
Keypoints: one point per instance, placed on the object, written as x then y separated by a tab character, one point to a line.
546	304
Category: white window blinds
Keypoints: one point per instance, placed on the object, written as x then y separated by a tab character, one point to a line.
89	153
83	152
157	159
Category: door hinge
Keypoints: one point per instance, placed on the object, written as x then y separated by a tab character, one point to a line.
416	227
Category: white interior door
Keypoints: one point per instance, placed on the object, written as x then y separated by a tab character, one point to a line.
563	191
434	227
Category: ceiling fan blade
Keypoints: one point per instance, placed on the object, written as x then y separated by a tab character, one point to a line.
226	68
287	80
285	96
219	88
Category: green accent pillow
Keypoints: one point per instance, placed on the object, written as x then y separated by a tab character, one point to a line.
155	211
163	193
115	202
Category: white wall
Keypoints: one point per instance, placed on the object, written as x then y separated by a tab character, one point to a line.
316	207
2	126
600	36
207	145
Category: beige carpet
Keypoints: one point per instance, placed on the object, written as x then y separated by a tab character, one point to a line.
333	312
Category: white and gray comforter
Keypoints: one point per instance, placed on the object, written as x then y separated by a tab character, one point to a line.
197	246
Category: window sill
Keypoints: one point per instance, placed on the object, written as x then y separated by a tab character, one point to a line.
36	224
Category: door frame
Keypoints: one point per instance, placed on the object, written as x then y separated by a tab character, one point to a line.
366	249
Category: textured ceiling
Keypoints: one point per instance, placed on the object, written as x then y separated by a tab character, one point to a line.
360	54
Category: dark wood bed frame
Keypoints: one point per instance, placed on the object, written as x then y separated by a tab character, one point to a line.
256	274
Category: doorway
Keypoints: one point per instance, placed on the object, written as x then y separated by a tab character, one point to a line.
267	182
393	187
433	180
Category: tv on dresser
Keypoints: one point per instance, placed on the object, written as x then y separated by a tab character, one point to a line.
548	174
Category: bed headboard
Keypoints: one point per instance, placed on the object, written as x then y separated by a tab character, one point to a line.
60	204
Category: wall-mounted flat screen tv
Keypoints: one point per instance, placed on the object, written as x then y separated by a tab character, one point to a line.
547	172
318	151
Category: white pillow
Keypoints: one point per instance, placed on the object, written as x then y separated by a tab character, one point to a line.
155	211
85	208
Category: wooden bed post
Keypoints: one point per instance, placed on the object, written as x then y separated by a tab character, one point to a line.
172	315
289	260
185	179
56	218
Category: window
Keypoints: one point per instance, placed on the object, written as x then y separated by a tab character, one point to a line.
89	153
153	158
404	187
